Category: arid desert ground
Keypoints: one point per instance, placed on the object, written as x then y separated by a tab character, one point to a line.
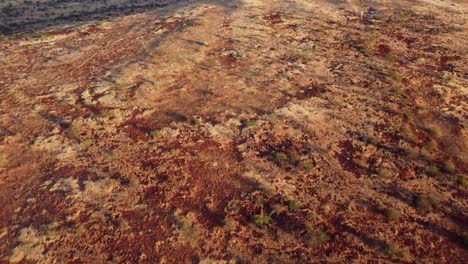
243	131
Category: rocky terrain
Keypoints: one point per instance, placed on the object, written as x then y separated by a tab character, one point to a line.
248	131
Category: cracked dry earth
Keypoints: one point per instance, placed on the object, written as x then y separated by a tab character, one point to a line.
253	131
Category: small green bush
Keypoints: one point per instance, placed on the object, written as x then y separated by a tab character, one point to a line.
262	219
393	74
435	202
462	181
449	167
408	132
384	173
251	123
427	203
105	113
103	23
425	154
318	238
423	203
431	145
401	94
408	114
412	154
185	118
156	134
392	214
308	167
294	205
436	132
390	57
280	156
86	143
433	171
3	160
120	86
394	251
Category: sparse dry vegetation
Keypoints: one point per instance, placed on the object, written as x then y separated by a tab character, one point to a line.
86	143
449	167
392	214
3	160
251	131
385	173
395	252
427	203
433	171
430	145
462	181
262	220
295	205
317	238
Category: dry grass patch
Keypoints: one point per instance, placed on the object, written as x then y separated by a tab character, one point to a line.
3	160
392	214
395	252
449	167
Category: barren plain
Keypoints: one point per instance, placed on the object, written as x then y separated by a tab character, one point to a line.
244	131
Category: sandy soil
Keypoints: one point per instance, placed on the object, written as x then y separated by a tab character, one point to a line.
253	131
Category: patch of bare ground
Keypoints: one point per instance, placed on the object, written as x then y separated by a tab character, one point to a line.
234	132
